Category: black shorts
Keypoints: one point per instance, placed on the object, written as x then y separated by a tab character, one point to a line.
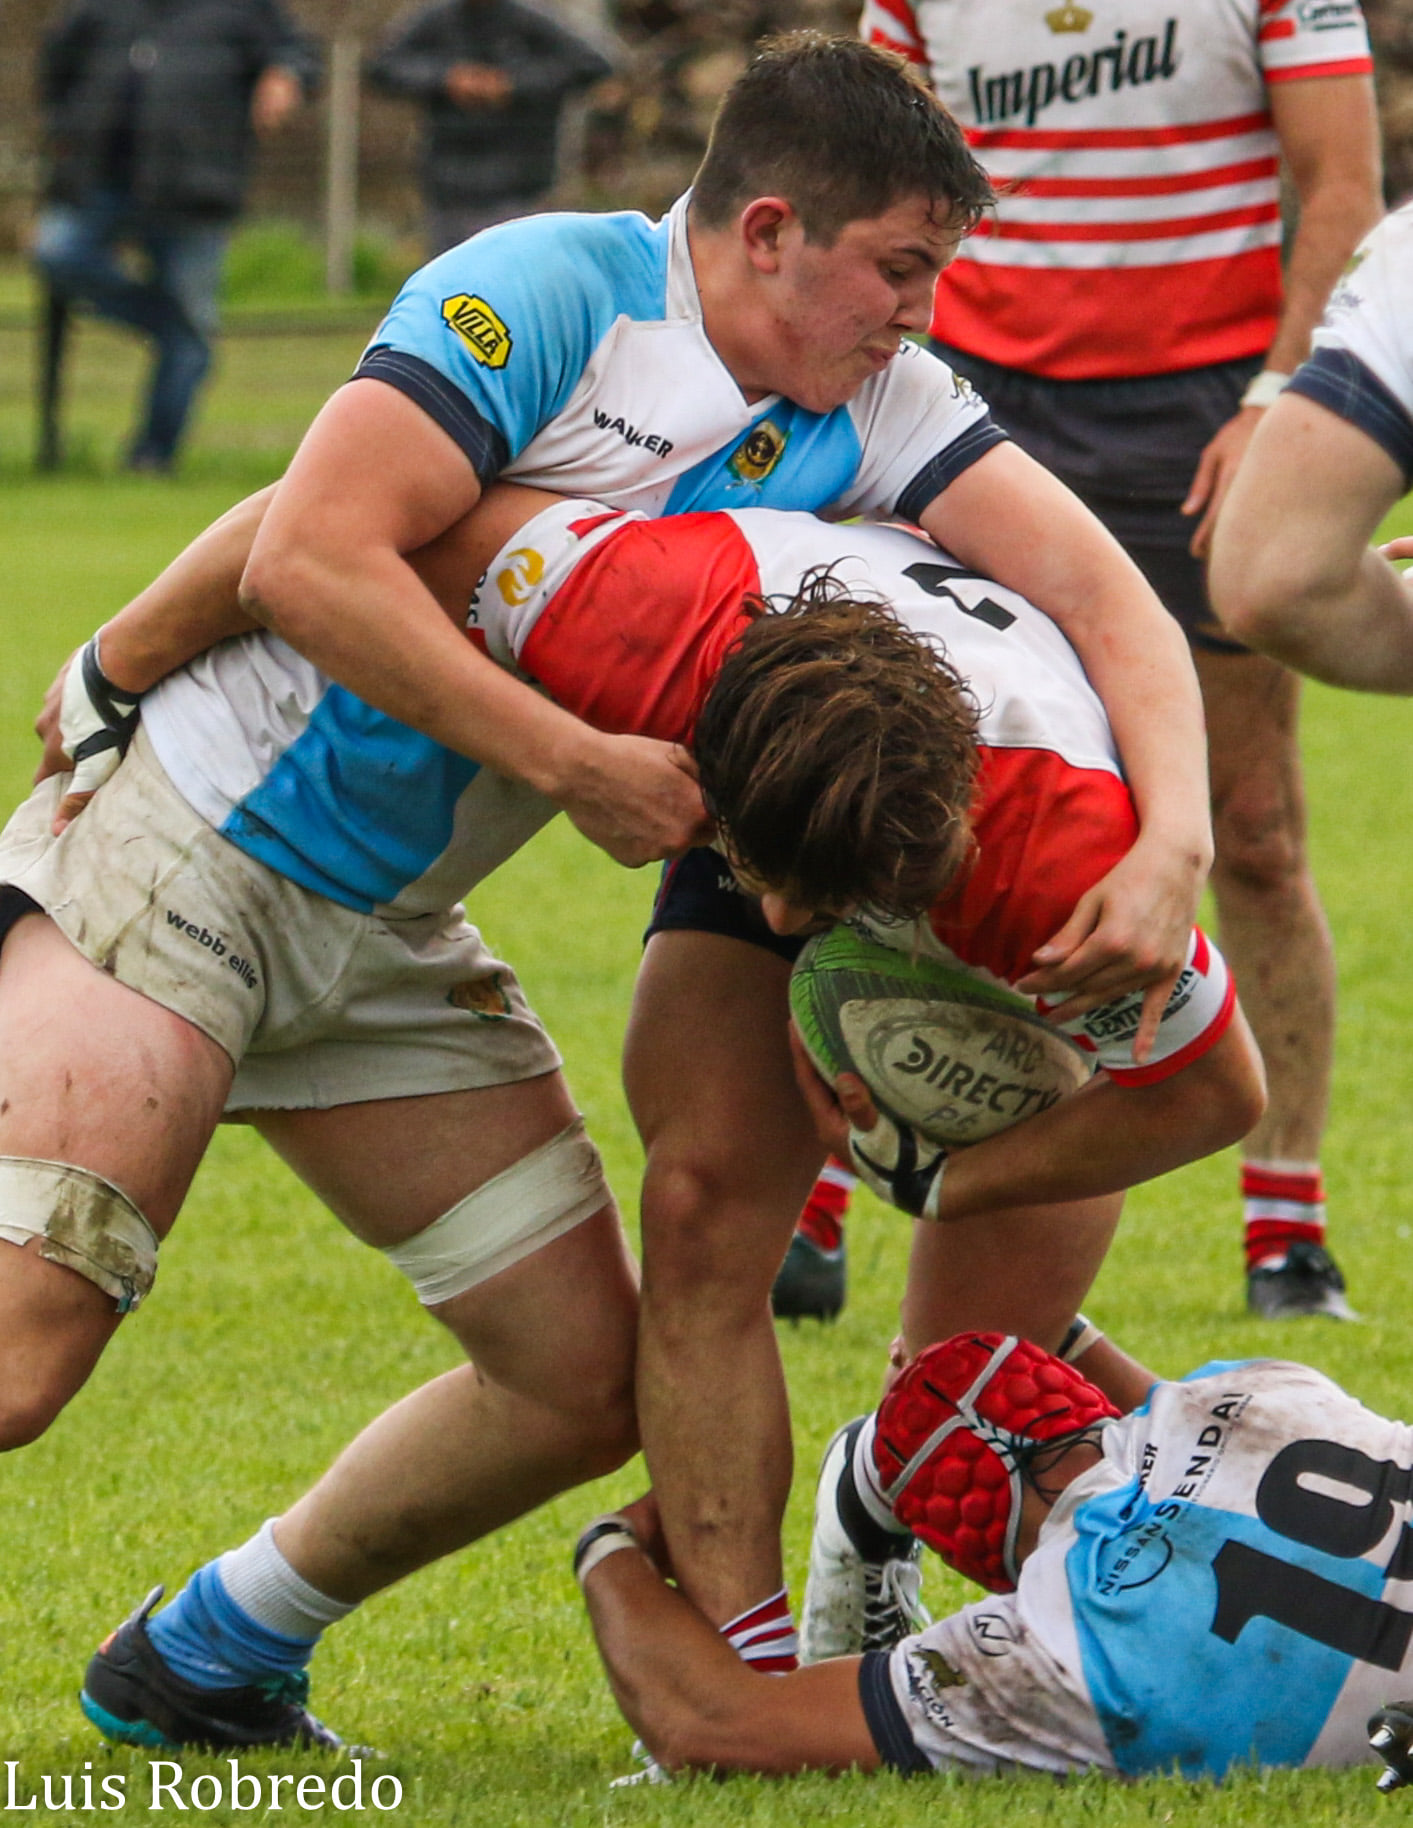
1128	449
698	894
14	905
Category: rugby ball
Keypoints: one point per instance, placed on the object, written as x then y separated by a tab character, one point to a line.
954	1055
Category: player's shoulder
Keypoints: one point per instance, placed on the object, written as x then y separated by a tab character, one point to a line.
914	375
621	253
1298	39
1261	1376
1261	1394
554	266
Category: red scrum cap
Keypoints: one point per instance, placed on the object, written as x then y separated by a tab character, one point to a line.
960	1431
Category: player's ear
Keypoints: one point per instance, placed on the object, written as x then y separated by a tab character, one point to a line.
763	225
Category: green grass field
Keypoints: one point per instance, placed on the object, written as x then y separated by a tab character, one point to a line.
272	1336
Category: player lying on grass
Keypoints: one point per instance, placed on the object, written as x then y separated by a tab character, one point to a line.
626	622
1293	572
1215	1580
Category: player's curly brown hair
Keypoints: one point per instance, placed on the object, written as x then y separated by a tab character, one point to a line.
837	752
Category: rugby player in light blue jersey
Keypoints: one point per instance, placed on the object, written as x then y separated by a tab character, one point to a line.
1216	1580
750	351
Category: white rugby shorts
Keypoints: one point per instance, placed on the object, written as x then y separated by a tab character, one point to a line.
316	1004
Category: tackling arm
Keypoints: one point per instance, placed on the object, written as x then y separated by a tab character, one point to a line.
692	1700
374	479
189	607
1103	1139
1012	520
1293	573
1110	1136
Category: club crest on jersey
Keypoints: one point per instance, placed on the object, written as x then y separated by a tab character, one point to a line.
523	571
482	329
1069	19
758	453
482	997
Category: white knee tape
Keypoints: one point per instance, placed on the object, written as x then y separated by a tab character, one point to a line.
87	1224
544	1194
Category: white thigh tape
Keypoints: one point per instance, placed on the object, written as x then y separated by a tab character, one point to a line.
543	1195
87	1224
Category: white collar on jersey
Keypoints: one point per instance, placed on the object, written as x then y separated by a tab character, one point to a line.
683	299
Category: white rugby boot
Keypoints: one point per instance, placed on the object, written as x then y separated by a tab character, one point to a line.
864	1589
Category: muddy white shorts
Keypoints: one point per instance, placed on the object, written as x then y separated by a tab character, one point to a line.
317	1004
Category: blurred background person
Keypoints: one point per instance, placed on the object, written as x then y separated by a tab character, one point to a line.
492	78
151	111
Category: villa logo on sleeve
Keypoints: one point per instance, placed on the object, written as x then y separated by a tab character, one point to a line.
481	329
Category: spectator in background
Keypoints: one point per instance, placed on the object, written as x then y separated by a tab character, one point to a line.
151	110
492	78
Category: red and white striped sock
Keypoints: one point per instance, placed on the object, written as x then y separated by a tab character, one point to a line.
822	1218
1284	1204
765	1636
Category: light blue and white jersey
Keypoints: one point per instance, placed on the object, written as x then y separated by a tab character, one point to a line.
1361	366
568	351
1232	1584
321	788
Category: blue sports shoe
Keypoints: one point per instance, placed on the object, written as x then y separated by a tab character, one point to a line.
132	1697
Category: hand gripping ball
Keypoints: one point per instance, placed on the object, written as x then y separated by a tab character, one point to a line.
956	1434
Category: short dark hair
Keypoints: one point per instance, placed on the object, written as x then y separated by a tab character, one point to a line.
840	129
837	752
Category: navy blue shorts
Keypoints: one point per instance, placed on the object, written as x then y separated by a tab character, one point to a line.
1128	449
698	894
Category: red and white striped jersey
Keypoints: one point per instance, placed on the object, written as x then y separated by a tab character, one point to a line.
1139	224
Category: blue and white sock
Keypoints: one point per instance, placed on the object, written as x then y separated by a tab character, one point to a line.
243	1618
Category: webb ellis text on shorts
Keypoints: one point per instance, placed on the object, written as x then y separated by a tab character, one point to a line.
165	1787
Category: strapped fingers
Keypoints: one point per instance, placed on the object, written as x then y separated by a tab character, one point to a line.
96	719
899	1165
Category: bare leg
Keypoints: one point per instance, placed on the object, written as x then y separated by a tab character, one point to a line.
731	1156
1272	926
98	1076
547	1400
1025	1271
